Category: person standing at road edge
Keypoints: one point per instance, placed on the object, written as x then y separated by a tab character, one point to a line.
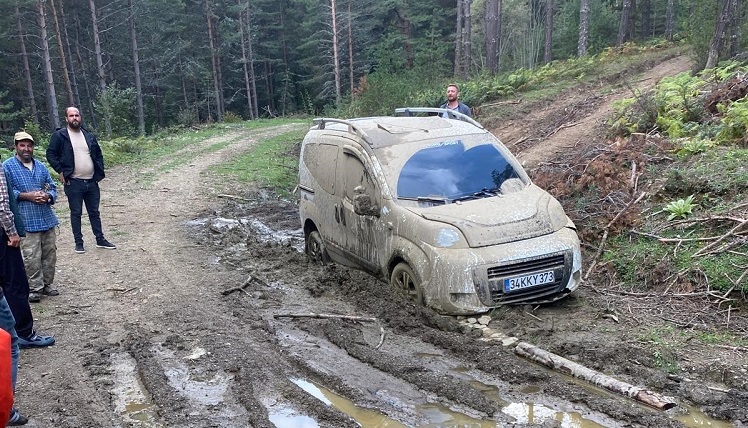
453	101
35	192
75	154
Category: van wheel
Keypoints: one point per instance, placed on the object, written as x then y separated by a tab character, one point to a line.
406	282
315	248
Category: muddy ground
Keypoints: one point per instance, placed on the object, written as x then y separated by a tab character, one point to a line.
152	335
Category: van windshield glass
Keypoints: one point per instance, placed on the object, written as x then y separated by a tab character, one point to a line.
447	171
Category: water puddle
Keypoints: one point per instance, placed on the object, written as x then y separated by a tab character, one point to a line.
695	418
131	400
365	417
288	418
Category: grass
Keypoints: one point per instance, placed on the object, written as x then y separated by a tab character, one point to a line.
272	163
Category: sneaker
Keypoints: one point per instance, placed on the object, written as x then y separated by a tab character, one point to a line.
35	341
16	419
48	290
103	243
79	249
35	297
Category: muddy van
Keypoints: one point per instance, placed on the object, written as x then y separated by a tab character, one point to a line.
436	206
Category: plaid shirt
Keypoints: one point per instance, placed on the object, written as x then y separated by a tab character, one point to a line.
36	217
6	216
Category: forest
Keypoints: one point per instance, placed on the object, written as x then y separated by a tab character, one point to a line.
134	67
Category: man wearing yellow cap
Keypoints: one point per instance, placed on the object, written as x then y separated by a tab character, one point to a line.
35	192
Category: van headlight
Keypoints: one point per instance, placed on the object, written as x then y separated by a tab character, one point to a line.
448	237
557	215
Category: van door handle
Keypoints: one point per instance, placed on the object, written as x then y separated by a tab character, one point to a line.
337	213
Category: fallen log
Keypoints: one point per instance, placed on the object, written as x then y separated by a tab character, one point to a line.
596	378
327	316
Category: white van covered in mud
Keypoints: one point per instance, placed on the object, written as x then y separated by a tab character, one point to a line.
438	207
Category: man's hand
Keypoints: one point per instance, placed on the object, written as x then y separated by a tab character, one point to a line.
62	178
41	197
38	197
14	241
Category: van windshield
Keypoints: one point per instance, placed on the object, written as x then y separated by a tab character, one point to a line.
446	172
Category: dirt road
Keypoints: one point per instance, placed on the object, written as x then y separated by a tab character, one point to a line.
148	335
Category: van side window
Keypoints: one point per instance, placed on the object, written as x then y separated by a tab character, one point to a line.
321	160
354	175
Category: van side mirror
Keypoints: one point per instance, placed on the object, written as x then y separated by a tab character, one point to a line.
362	203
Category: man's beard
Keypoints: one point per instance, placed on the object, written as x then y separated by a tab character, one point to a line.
74	125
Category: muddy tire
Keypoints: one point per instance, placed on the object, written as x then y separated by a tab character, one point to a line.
405	281
315	248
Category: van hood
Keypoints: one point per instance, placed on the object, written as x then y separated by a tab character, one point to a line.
500	219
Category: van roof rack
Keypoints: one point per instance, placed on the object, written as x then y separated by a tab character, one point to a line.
408	111
352	128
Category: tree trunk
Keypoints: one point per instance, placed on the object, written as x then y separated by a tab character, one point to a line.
467	39
646	13
245	61
73	77
492	35
213	61
86	84
100	64
670	20
623	28
548	51
269	87
350	47
286	65
718	40
335	58
136	66
584	28
63	56
458	38
571	368
251	58
735	30
26	68
52	109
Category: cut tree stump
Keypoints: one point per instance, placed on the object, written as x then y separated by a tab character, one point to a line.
596	378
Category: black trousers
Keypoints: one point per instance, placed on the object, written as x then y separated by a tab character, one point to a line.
16	286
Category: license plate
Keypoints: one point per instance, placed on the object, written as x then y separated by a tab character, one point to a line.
527	281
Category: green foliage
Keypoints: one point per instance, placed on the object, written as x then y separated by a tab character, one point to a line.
720	171
681	208
734	126
116	106
677	107
187	116
231	117
689	147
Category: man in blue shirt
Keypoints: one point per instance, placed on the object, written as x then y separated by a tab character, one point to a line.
35	192
453	101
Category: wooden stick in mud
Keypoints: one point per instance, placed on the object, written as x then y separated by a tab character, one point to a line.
596	378
238	198
327	316
239	288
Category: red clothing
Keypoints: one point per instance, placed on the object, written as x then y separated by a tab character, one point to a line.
6	382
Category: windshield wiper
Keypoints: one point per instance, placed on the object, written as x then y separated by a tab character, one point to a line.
482	193
435	199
